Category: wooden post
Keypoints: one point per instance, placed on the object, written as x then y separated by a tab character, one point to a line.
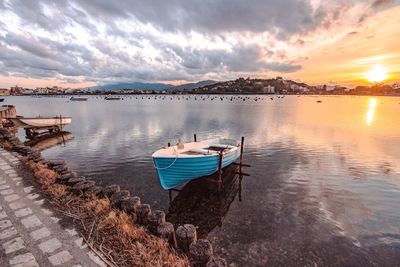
200	252
170	193
61	130
166	230
220	171
240	187
186	235
156	218
195	137
169	144
143	214
241	151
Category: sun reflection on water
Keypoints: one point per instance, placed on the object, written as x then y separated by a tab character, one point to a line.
371	111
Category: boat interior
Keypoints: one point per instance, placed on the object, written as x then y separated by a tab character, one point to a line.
212	149
200	148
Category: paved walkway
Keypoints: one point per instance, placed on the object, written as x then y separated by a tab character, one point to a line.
30	235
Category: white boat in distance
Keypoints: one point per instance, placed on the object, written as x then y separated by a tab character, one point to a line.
184	162
112	98
74	98
41	122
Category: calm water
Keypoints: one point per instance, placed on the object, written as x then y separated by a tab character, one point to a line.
325	177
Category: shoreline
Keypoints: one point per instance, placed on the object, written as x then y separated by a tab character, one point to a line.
198	94
109	217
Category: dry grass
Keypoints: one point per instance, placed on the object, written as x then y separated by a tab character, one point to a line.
98	205
58	190
109	231
45	176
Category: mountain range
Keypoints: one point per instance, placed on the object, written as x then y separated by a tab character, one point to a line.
152	86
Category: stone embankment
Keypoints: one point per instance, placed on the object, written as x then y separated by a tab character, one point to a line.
29	232
118	228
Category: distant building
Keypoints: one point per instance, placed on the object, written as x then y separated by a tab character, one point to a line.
269	89
4	91
42	90
27	91
16	90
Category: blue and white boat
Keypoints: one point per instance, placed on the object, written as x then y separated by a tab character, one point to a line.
184	162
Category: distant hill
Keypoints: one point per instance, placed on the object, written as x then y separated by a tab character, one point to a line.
152	86
190	86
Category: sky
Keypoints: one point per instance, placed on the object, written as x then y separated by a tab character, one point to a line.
80	43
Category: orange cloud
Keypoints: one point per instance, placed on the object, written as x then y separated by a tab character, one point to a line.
346	60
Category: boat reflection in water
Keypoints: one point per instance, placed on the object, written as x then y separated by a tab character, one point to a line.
45	141
199	202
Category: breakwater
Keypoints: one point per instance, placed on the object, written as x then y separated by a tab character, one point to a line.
114	215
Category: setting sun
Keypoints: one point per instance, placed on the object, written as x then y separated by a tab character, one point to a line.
377	74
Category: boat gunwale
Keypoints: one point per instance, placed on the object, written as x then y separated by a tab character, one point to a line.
156	154
30	118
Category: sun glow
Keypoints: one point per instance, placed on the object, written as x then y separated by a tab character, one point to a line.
377	74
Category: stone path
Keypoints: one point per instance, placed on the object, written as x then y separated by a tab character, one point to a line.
30	234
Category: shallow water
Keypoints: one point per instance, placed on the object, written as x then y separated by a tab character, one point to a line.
324	184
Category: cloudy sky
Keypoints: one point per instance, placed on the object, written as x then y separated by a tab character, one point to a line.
76	43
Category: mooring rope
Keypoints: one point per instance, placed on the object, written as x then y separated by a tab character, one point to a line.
164	168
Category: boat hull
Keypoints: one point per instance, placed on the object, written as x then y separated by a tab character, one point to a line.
40	122
174	171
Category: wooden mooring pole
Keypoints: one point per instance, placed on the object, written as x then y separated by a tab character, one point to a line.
241	151
220	171
170	193
195	137
240	168
61	129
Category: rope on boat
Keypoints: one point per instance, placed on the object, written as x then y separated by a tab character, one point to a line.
164	168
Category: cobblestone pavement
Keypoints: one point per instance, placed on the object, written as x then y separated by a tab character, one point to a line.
30	234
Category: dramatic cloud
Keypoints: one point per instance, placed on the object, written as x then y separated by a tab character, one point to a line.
378	3
214	16
180	40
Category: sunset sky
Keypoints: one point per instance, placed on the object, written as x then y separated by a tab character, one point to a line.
79	43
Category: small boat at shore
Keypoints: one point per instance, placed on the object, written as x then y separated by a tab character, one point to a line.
74	98
112	98
184	162
40	122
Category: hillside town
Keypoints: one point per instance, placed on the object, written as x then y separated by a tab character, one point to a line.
276	85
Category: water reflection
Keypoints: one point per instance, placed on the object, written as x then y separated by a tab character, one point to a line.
371	111
199	202
324	186
46	141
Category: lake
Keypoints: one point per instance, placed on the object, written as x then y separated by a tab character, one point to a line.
324	184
